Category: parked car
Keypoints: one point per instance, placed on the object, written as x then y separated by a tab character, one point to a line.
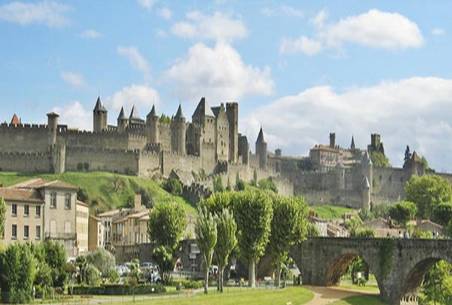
122	270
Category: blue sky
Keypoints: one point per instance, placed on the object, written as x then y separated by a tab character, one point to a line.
298	68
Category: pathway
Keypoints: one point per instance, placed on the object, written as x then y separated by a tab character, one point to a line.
328	295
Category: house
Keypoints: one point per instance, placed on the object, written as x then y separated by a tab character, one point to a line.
96	233
38	209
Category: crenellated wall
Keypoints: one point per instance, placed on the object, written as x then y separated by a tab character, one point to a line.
27	162
24	138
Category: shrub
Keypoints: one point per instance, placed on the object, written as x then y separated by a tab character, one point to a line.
173	186
92	275
103	260
442	213
118	290
268	184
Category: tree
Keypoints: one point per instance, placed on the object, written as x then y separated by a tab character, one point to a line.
2	217
288	227
55	257
427	192
146	199
253	214
218	184
379	159
437	286
442	213
226	242
206	238
173	186
166	227
403	211
134	276
92	275
17	267
103	260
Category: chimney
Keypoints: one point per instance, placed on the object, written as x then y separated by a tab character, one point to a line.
137	202
332	139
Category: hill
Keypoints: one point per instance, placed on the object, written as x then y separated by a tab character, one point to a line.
330	212
105	191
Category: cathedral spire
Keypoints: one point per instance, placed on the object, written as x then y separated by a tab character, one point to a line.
352	145
260	137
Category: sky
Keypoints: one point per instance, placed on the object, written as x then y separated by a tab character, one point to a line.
299	69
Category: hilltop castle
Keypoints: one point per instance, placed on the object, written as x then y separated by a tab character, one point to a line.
196	152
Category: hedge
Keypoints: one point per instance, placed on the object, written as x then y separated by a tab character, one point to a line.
118	290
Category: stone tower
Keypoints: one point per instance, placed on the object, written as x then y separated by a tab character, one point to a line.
365	194
52	125
178	132
332	140
261	150
122	120
232	112
152	126
99	117
367	169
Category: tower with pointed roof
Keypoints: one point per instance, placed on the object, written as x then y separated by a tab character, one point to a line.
365	194
178	132
152	127
99	116
135	121
123	122
367	168
352	145
261	150
221	133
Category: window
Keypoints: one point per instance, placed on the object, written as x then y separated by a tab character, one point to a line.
53	200
38	232
26	232
14	232
26	210
38	211
67	201
14	209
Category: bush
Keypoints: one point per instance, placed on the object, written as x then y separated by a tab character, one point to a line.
118	290
173	186
188	284
268	185
92	275
442	213
403	211
103	260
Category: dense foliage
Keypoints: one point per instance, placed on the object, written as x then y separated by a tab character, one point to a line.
2	217
166	227
403	211
442	213
427	192
437	286
379	159
173	186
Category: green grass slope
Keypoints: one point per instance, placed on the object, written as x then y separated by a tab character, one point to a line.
329	212
105	190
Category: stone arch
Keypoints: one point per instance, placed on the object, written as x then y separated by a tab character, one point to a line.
416	274
338	266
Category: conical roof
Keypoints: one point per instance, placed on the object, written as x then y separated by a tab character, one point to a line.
260	137
15	120
203	109
152	113
99	107
121	115
179	114
134	114
352	145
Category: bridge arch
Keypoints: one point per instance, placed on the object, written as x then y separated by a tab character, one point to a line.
337	267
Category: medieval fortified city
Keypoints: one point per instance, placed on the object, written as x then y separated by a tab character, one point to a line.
340	194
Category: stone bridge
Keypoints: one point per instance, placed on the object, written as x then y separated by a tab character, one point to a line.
398	264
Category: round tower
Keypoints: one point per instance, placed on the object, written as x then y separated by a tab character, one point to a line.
122	120
178	132
152	126
52	125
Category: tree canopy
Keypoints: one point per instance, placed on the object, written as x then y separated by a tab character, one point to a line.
403	211
379	159
427	192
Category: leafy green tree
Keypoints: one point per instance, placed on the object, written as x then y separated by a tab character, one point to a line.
427	192
442	213
146	198
239	183
81	264
17	274
166	228
43	280
206	238
288	227
437	286
403	211
173	186
133	277
226	242
55	257
92	275
2	217
103	260
268	185
379	159
253	214
217	202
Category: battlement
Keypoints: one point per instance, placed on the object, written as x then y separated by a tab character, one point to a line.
6	126
136	152
20	154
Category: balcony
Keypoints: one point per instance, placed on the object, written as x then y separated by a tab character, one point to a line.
61	236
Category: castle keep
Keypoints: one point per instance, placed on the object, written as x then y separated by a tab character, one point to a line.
197	152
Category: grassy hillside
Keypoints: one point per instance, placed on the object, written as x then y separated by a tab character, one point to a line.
329	212
105	190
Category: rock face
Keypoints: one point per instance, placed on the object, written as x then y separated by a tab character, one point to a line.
398	264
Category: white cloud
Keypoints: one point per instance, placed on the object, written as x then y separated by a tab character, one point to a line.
90	34
76	80
218	27
136	59
49	13
375	29
147	4
303	44
282	10
413	111
142	96
165	13
75	115
438	32
217	73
